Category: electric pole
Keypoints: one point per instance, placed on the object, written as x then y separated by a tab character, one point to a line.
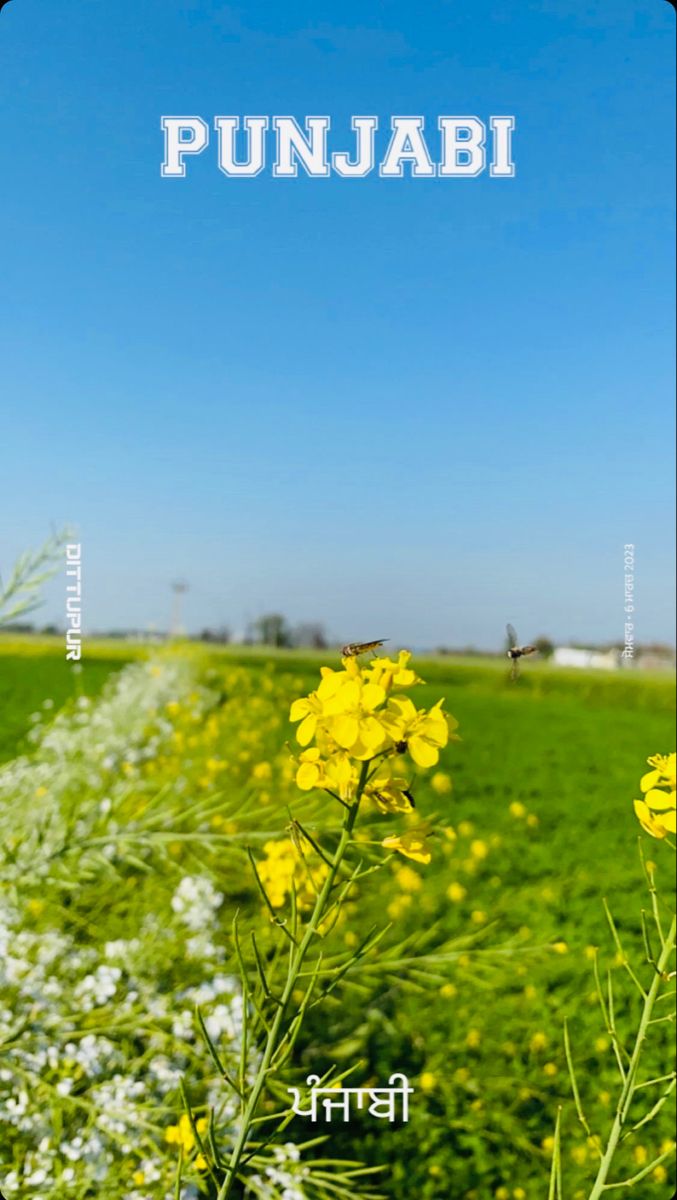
179	588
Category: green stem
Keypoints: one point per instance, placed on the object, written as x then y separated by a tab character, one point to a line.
629	1085
273	1038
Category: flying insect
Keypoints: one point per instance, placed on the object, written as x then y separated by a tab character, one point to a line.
352	649
516	652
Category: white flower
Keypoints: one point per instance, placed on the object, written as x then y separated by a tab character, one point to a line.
195	901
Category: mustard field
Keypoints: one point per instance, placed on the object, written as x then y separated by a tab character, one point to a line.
204	902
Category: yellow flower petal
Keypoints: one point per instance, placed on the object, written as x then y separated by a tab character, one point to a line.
412	845
423	754
371	733
647	820
649	780
307	776
656	798
401	708
306	730
345	730
300	708
372	695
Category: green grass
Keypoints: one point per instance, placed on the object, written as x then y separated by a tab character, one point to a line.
489	677
27	680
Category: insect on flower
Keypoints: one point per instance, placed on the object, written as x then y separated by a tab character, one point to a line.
352	649
515	652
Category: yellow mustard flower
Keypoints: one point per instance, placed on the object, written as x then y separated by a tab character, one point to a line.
538	1042
343	707
663	772
311	769
261	771
408	879
339	774
389	791
456	892
656	811
284	866
182	1134
308	710
422	733
388	673
355	730
412	845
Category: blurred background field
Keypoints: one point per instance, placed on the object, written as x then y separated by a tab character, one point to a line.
536	802
32	672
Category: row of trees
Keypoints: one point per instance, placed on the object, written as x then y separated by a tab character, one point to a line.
272	629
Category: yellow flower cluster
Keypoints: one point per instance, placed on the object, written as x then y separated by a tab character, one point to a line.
182	1135
360	714
656	811
282	866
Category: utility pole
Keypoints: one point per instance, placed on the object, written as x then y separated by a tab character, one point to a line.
179	588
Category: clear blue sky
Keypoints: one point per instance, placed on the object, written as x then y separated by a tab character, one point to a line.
405	408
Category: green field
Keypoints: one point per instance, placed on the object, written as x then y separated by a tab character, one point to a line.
540	829
41	681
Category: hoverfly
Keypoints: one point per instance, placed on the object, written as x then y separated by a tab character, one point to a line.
352	649
516	652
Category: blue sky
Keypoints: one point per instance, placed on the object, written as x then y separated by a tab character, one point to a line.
405	408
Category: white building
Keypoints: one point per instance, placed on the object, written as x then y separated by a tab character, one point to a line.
576	656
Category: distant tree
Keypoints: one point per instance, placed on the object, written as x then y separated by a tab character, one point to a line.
310	633
544	646
219	636
272	630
